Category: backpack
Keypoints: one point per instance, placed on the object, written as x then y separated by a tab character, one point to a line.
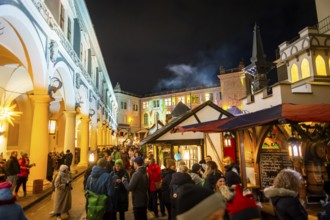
96	204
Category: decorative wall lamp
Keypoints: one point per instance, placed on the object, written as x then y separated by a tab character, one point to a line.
227	139
52	126
294	148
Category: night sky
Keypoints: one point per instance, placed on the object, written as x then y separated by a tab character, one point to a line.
156	45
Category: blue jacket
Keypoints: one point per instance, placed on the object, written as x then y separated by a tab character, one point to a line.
99	182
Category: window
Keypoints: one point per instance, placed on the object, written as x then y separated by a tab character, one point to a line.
168	102
69	30
145	105
123	105
145	119
220	95
135	107
207	96
320	66
188	99
305	70
195	99
294	73
211	97
156	103
62	16
181	99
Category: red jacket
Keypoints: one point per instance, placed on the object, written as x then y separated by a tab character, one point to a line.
24	167
154	175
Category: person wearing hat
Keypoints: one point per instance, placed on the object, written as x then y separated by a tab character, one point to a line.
115	154
99	182
62	196
9	209
325	215
196	201
119	199
139	185
166	175
22	177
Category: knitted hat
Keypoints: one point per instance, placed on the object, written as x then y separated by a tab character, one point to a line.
101	162
192	200
119	162
63	167
326	187
138	160
195	168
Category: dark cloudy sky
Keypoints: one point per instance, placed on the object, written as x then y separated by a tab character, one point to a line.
149	45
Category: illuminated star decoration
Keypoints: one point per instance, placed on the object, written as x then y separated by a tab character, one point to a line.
7	112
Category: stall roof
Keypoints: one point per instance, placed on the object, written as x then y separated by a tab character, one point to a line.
175	122
282	113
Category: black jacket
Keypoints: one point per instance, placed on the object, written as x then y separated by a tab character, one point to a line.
12	166
232	175
120	197
166	175
286	204
211	180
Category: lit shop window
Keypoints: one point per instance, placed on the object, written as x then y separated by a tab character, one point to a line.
181	99
145	105
168	102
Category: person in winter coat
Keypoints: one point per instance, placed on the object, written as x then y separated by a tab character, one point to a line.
99	182
154	178
63	187
115	154
139	185
284	195
212	175
22	177
178	179
119	199
166	175
325	215
9	209
12	169
196	174
232	176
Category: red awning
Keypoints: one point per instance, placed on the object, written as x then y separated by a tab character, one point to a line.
278	114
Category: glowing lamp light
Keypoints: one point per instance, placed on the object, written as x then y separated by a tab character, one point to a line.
91	158
186	155
294	147
227	140
7	113
52	127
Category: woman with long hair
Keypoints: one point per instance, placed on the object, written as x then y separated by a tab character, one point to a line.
284	195
212	175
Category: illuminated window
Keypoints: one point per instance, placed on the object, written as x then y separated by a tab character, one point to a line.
168	113
145	119
320	66
294	73
173	101
156	103
207	96
168	102
181	99
305	70
188	99
145	105
135	107
195	99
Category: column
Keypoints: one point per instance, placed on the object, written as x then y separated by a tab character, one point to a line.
84	137
70	129
3	138
39	136
99	133
108	135
93	138
104	135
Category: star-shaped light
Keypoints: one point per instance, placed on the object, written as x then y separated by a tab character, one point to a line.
7	112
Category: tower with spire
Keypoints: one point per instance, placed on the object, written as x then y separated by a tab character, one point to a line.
259	66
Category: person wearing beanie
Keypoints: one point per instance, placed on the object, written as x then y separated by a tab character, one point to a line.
9	209
139	185
99	182
284	195
194	200
166	175
325	215
62	195
119	199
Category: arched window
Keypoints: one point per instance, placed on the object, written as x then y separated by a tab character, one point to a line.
294	73
145	119
320	66
305	70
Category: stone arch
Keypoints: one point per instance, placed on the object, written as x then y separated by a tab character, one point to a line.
305	43
327	42
29	50
284	56
314	41
62	72
293	50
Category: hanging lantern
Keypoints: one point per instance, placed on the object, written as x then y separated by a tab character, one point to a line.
294	147
227	139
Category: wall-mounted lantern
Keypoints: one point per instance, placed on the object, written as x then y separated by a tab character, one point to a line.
294	148
52	127
227	139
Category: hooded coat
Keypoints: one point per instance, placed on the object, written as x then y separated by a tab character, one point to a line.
286	204
139	185
62	198
99	182
166	175
120	196
8	208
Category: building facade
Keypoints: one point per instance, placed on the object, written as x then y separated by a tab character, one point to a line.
53	73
